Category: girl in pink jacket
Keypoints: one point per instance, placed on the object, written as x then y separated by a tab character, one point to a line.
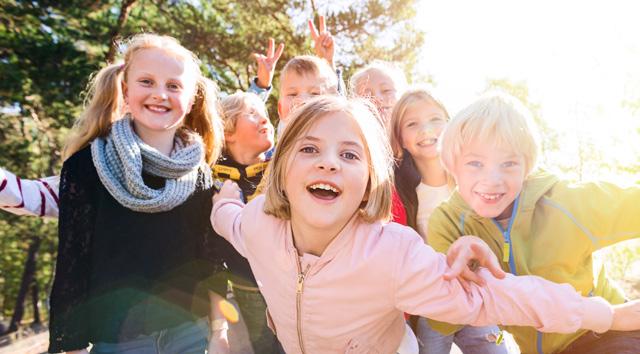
337	278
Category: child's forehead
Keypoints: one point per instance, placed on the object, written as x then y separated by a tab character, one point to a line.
308	79
488	148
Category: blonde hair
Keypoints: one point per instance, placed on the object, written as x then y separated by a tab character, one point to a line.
104	103
235	105
388	68
407	176
377	202
498	119
310	65
408	99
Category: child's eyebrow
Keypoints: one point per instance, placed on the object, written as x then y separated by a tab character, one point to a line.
346	142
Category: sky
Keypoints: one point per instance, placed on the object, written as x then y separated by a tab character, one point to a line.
579	59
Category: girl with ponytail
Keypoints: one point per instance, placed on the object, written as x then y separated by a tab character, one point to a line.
135	253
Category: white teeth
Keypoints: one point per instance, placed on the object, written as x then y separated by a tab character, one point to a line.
428	142
323	186
490	196
158	108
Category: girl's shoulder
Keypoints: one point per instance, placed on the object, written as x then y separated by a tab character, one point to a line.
80	162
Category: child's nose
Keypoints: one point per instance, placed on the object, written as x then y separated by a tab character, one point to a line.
160	94
328	163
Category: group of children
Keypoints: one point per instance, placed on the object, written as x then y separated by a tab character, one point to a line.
150	243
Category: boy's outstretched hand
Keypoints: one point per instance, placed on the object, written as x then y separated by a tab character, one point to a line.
229	190
322	41
626	317
465	255
267	63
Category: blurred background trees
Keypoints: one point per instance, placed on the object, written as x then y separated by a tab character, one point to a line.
48	50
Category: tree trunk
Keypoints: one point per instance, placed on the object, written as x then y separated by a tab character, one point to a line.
35	300
125	8
28	276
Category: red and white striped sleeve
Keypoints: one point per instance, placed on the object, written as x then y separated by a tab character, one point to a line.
29	197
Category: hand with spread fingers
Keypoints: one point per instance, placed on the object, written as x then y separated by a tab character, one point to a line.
464	257
322	41
267	63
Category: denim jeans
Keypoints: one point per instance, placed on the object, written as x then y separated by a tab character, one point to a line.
608	342
253	310
471	340
188	338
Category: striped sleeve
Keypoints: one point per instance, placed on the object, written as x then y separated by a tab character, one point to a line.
29	197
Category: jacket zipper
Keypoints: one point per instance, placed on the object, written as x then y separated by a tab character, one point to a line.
299	289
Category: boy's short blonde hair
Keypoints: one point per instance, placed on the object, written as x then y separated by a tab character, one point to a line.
236	104
361	76
498	119
377	201
310	65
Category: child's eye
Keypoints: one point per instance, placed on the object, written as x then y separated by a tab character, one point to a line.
316	93
509	164
308	149
411	124
474	163
350	155
293	94
145	82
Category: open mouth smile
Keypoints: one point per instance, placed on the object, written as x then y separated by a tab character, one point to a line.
324	191
490	198
427	142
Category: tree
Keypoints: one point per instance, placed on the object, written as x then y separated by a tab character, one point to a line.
48	50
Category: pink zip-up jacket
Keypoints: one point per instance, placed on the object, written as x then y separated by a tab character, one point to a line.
352	298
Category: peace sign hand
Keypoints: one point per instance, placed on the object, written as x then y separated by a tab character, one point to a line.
322	41
267	63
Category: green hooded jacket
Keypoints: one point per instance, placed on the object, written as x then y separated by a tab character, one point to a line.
555	227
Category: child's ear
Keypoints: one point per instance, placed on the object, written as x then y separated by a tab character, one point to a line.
229	138
279	110
125	91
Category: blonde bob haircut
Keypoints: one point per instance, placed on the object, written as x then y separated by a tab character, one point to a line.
498	119
233	106
376	205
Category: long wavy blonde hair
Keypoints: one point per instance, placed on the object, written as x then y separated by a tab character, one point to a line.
104	103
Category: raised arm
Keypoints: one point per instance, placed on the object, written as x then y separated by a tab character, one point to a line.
29	197
420	288
261	85
226	215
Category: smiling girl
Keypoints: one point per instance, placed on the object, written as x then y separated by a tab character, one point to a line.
337	278
135	251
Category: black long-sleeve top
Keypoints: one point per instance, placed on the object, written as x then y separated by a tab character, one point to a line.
121	273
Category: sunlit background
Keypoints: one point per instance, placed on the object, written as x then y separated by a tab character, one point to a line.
579	60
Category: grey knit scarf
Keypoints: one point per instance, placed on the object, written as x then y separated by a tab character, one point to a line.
121	157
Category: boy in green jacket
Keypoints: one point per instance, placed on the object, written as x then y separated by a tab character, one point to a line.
536	223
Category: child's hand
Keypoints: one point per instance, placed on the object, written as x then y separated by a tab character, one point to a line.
464	257
322	41
267	63
626	317
229	190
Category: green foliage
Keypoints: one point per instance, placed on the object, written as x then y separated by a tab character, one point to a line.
48	50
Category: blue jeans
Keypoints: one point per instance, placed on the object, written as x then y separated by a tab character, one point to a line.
188	338
471	340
